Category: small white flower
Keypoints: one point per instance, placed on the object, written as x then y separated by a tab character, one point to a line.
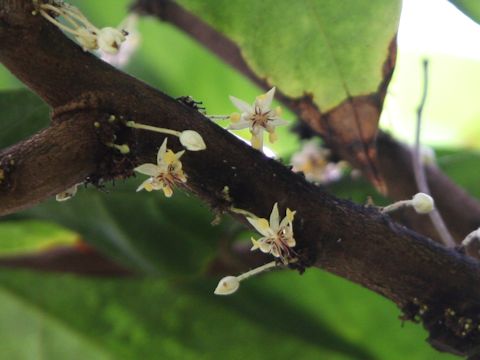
192	140
313	161
423	203
88	35
110	39
277	235
165	174
258	117
228	285
129	47
67	194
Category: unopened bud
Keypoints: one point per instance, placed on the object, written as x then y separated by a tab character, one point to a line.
192	140
423	203
228	285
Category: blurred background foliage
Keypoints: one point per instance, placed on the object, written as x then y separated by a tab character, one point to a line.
171	313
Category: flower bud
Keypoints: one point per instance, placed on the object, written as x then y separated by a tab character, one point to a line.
110	39
67	194
228	285
192	140
423	203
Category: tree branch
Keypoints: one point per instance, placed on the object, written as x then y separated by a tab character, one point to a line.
355	242
462	215
461	211
48	162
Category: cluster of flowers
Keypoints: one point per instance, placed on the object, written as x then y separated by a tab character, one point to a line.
259	117
107	39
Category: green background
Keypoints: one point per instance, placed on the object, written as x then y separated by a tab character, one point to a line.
171	313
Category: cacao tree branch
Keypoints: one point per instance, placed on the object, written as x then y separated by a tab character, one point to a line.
461	215
356	242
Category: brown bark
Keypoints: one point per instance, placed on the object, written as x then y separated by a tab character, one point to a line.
460	211
355	242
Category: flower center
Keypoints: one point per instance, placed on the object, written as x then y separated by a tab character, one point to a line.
259	118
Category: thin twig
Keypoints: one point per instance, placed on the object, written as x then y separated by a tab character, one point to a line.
419	169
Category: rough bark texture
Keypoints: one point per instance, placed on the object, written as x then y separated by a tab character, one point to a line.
423	278
460	211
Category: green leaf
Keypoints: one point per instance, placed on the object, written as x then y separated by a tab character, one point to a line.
276	316
470	8
143	230
462	167
330	49
19	237
23	114
339	53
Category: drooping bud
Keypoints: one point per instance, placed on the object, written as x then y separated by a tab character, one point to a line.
192	140
228	285
67	194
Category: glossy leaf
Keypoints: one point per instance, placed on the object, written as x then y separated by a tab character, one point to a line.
142	230
339	53
277	316
330	49
28	236
471	8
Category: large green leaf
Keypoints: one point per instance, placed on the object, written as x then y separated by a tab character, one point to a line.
470	8
330	49
277	316
338	53
18	237
142	230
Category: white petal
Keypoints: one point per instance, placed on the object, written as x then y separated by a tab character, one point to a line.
179	154
241	105
288	218
274	218
291	242
242	124
143	184
265	247
261	225
278	122
265	101
161	151
148	169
